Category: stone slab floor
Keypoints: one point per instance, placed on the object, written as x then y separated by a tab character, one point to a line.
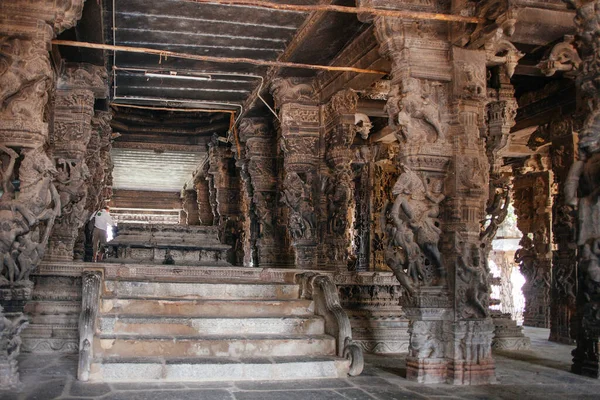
541	373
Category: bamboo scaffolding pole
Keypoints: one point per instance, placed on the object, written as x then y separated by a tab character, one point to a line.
228	60
348	10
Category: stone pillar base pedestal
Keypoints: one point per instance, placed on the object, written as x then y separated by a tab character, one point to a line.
468	373
429	370
306	256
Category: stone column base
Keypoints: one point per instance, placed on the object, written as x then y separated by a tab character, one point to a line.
469	373
306	256
10	345
426	370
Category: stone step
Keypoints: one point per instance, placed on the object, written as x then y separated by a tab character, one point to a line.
207	308
192	290
219	369
144	326
213	346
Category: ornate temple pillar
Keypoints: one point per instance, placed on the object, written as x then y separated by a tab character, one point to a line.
247	218
225	190
258	140
581	189
300	124
436	107
29	202
501	112
340	127
564	232
561	132
189	205
99	163
205	214
533	208
77	88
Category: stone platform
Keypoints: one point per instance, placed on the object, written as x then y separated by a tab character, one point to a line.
179	244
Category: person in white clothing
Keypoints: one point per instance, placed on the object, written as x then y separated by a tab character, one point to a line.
102	222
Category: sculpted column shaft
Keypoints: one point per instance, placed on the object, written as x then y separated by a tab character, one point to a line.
77	88
258	139
300	136
418	113
205	213
501	113
99	188
437	109
224	183
340	120
29	202
582	188
564	231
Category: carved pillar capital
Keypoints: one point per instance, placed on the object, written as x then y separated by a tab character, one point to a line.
81	76
293	90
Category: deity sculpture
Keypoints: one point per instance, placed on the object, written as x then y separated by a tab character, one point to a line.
412	111
297	197
417	208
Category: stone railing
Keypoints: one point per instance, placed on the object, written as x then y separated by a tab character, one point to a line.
321	289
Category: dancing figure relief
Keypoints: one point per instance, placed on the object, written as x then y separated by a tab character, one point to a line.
21	247
296	196
414	226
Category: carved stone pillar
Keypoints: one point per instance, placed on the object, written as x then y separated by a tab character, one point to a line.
189	204
247	219
225	186
581	191
99	163
77	88
339	117
564	232
260	154
437	108
533	209
205	215
501	113
29	207
300	134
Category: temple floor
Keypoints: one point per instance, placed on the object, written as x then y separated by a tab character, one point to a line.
540	373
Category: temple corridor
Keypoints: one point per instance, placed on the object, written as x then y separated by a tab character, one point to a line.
345	198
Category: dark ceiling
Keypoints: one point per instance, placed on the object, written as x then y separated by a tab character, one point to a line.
216	89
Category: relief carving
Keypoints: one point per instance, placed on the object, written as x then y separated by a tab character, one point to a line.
291	90
297	196
415	113
414	213
21	245
25	78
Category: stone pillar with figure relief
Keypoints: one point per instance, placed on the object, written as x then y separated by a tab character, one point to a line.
30	202
78	86
341	123
436	107
258	139
300	127
582	188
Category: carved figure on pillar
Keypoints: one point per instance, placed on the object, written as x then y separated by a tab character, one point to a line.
297	196
415	113
582	190
418	209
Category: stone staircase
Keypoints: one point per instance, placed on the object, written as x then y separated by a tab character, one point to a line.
199	329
